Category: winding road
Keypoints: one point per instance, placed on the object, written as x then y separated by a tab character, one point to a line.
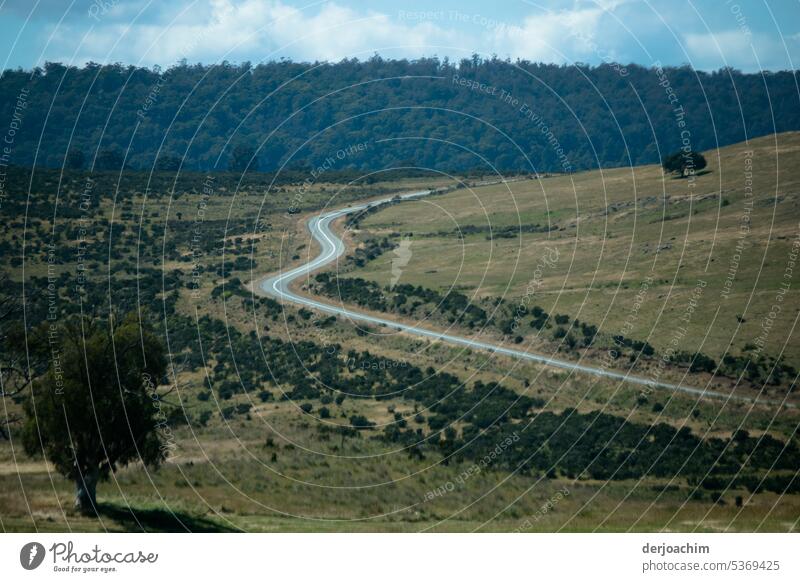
332	247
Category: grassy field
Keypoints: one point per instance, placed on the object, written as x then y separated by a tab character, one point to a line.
273	469
227	478
611	231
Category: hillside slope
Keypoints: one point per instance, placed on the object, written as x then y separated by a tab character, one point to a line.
633	250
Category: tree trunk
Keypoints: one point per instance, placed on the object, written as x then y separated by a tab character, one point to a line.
86	492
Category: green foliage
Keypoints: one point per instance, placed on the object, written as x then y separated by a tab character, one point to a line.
96	408
605	447
361	422
75	159
204	417
167	163
182	121
454	305
243	158
110	159
684	163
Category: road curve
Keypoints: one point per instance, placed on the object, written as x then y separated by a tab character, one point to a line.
332	247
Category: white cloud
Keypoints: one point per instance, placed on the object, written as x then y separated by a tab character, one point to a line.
252	30
212	30
551	36
742	50
150	32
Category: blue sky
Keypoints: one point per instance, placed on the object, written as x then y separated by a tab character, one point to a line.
749	35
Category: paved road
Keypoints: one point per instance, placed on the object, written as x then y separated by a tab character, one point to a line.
332	247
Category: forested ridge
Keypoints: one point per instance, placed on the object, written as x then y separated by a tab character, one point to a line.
519	116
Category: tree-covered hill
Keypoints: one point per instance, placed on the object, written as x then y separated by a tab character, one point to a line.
518	116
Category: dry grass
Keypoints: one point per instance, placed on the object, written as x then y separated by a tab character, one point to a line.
615	228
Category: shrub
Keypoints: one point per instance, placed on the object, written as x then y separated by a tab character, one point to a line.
361	422
204	417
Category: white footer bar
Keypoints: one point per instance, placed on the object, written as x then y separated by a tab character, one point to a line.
400	557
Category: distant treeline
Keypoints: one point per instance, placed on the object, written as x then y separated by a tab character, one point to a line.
374	114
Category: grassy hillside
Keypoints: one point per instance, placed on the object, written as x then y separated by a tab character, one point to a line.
732	228
407	424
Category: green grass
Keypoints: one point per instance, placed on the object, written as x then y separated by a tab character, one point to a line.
237	487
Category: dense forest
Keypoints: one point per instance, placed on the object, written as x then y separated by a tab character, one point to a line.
368	115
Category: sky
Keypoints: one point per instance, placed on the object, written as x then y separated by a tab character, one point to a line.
749	35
